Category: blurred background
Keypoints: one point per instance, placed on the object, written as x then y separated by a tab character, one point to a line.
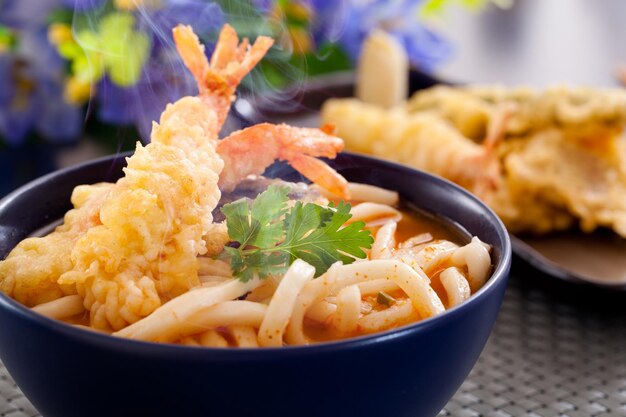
84	78
538	43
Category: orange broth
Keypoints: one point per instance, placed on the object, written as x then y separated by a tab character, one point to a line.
414	222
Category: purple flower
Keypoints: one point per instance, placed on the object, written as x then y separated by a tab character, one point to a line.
36	104
18	113
83	5
31	93
116	105
26	13
164	78
354	20
7	87
144	102
330	19
35	48
203	17
161	84
425	48
58	120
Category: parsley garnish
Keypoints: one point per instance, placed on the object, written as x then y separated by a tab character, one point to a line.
385	299
270	235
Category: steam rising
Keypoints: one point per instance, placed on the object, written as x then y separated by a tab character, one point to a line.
164	78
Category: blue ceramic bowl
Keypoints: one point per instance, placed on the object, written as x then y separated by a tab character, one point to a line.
411	371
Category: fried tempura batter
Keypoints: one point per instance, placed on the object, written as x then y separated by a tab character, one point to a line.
133	245
129	247
126	265
560	153
154	218
34	282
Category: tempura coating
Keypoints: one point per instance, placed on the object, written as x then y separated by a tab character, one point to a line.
556	172
561	157
135	247
576	110
153	220
424	141
30	272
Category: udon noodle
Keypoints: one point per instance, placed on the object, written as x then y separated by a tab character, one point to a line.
398	283
149	257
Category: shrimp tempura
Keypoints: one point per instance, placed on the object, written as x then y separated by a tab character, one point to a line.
30	272
153	220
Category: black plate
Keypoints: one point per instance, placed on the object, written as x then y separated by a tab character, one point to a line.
597	259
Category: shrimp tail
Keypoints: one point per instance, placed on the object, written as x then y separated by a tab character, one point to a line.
250	151
230	63
321	174
489	178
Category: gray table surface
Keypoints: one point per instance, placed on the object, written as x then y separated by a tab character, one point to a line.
556	350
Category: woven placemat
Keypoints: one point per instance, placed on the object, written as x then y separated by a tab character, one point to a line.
555	351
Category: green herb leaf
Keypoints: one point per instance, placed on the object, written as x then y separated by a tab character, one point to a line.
384	298
314	235
256	224
271	237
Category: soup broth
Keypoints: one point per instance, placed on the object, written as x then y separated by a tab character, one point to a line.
414	222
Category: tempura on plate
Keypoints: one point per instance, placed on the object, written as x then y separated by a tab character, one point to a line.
543	160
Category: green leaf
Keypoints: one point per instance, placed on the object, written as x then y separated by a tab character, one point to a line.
87	62
237	220
271	237
302	219
61	16
328	58
236	260
432	8
125	50
245	223
270	204
113	47
385	299
329	243
246	265
275	263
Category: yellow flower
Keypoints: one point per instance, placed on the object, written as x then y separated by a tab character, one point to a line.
7	39
298	12
59	33
114	48
131	5
76	91
295	18
300	39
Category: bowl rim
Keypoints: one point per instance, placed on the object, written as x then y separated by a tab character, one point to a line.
500	273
